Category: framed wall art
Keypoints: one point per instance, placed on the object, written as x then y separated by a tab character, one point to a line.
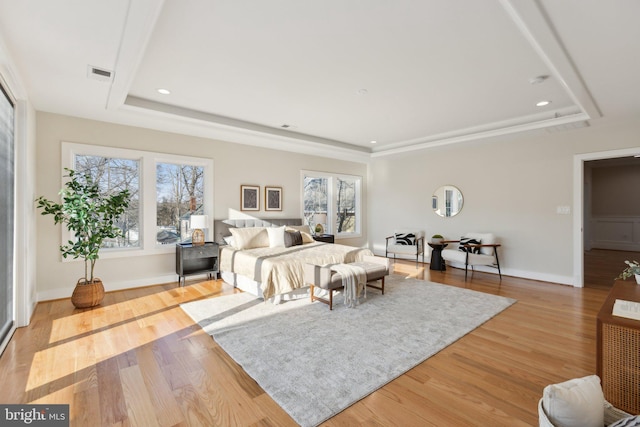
249	198
272	198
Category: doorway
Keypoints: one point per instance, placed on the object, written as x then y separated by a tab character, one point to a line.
610	216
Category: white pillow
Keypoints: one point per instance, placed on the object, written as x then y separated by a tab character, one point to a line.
229	240
575	403
250	237
276	237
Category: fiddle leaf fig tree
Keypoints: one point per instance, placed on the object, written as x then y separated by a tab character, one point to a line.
88	213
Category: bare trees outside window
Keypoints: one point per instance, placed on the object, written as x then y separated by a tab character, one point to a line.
180	194
113	175
346	205
166	189
315	197
337	196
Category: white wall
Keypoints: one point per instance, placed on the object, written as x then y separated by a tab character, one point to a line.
512	186
234	165
26	235
25	297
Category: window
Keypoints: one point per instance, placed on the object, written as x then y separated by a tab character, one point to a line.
180	194
165	191
7	213
334	197
346	204
113	175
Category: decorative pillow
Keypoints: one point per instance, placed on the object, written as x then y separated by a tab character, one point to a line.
276	237
292	238
229	240
250	237
301	228
408	239
575	403
633	421
304	230
469	241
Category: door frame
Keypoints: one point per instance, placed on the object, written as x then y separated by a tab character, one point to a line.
578	204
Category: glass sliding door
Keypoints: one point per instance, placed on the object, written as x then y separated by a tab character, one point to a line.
6	213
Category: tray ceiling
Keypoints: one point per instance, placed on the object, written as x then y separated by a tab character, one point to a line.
330	76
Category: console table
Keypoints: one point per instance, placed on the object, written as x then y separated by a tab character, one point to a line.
618	350
196	259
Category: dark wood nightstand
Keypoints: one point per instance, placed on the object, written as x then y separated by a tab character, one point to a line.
327	238
198	259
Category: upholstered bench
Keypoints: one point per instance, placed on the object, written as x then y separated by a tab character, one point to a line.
376	268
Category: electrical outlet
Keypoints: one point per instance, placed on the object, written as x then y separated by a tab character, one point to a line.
563	210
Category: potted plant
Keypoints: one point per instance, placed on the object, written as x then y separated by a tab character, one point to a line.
90	216
633	269
437	239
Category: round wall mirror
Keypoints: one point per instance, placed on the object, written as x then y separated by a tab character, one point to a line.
447	201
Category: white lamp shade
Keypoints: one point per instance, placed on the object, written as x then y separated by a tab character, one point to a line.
199	221
320	218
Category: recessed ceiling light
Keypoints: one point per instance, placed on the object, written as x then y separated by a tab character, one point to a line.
164	91
543	103
373	142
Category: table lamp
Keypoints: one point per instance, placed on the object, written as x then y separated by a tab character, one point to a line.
319	219
198	222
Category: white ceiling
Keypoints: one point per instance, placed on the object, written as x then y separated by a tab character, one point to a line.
409	74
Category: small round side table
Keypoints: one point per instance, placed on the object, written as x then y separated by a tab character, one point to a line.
437	263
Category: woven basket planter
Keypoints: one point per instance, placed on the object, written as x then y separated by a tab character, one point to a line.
87	295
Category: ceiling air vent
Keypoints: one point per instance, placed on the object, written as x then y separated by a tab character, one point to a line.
99	74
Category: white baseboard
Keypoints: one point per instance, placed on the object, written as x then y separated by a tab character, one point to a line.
531	275
110	286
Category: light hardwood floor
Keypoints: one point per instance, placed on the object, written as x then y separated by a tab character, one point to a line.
138	360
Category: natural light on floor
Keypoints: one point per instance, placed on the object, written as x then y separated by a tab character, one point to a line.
131	324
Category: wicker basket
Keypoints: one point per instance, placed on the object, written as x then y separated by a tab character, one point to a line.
87	295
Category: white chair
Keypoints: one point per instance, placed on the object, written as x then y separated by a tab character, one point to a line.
474	249
611	415
406	242
579	402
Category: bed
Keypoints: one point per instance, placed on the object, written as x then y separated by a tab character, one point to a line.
255	260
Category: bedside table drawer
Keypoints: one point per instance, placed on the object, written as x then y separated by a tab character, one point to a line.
195	252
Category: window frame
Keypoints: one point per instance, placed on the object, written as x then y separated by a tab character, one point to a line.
148	195
332	201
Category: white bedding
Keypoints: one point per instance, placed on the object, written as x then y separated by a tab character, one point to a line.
280	270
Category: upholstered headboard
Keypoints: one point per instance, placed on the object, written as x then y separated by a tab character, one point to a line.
222	226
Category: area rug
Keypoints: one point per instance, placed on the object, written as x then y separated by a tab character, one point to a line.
315	362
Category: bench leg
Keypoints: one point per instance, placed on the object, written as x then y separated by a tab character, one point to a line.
381	287
329	302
